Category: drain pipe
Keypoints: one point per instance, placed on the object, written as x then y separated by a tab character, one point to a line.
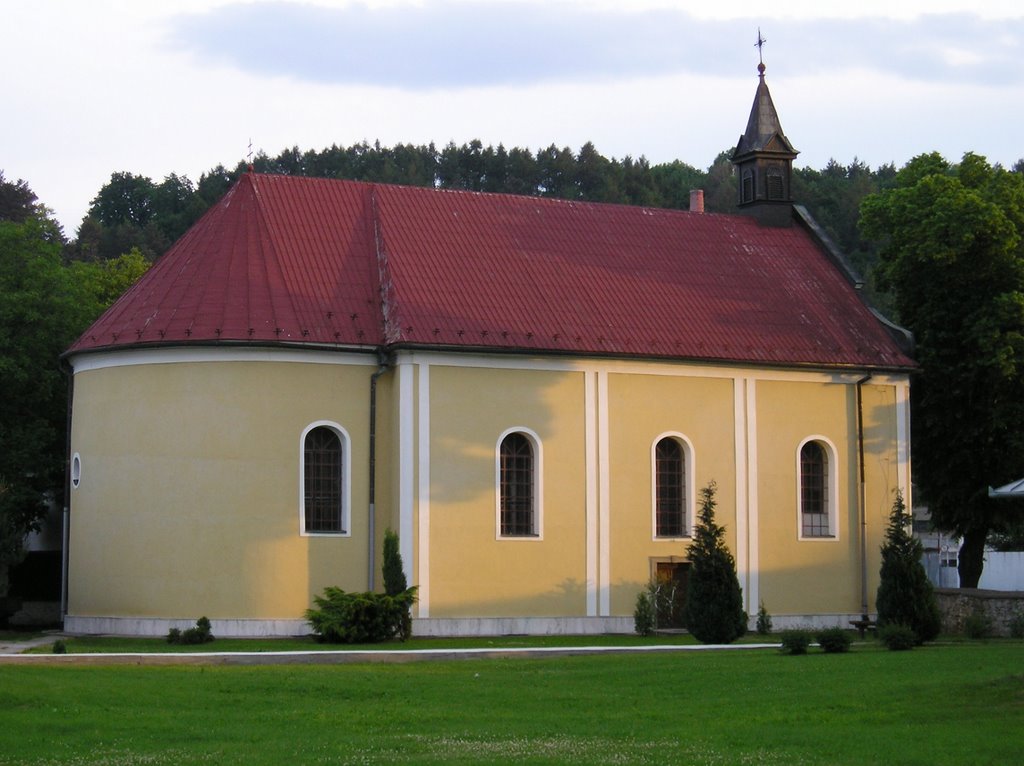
66	514
383	365
862	502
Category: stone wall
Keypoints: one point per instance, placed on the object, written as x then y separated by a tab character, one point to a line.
1001	607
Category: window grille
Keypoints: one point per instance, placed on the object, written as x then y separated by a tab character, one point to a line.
323	481
517	483
670	489
814	490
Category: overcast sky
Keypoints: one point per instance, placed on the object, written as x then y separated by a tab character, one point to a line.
151	88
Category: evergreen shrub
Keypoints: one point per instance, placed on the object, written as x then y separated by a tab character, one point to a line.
834	640
643	614
764	621
359	618
905	595
395	583
795	641
898	637
392	569
714	602
200	634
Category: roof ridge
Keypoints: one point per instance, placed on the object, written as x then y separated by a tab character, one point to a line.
391	328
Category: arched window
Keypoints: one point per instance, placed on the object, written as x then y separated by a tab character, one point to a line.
517	486
816	491
669	488
324	480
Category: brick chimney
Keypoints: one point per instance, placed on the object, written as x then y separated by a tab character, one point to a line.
696	200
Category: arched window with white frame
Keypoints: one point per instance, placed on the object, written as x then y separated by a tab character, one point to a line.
518	478
325	480
672	482
817	495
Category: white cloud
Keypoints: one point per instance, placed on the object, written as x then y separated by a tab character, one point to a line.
106	86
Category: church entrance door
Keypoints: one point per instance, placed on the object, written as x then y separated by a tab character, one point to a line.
671	578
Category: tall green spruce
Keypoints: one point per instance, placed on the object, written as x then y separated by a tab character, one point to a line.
905	596
394	577
714	601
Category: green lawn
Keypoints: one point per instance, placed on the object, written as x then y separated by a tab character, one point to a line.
951	704
124	644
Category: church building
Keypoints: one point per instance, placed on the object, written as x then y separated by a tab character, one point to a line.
531	392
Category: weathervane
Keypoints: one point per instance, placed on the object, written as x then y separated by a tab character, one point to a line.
760	49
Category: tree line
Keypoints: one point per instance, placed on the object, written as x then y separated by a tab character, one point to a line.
134	211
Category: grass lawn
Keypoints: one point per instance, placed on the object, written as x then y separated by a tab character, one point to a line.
950	704
124	644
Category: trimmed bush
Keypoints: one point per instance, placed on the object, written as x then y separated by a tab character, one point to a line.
834	640
643	614
795	641
898	637
59	647
764	621
905	595
200	634
359	618
714	602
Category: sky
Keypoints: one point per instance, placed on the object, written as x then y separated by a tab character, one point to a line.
180	86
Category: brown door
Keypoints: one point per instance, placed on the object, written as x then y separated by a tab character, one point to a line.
670	600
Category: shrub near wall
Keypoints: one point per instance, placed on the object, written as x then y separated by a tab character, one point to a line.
359	618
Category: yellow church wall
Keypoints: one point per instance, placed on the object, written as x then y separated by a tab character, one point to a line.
882	472
385	469
189	495
820	575
642	408
471	571
198	461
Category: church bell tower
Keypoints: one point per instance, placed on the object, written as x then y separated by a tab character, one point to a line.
764	161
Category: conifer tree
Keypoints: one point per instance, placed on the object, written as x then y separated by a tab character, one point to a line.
714	601
394	576
905	595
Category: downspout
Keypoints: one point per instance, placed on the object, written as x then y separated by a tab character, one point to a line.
862	502
66	515
382	367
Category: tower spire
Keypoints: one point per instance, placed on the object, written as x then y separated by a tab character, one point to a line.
764	157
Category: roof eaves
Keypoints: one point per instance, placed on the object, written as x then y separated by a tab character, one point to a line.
703	361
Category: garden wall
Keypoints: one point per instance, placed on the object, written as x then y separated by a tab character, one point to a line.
1000	606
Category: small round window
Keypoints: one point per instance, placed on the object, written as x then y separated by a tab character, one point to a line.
76	470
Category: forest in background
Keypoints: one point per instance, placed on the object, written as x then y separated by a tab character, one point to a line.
135	212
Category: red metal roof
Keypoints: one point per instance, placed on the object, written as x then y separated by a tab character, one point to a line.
284	259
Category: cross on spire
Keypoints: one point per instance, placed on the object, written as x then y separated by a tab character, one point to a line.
760	50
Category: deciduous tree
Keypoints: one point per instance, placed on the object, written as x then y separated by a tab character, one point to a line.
951	254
